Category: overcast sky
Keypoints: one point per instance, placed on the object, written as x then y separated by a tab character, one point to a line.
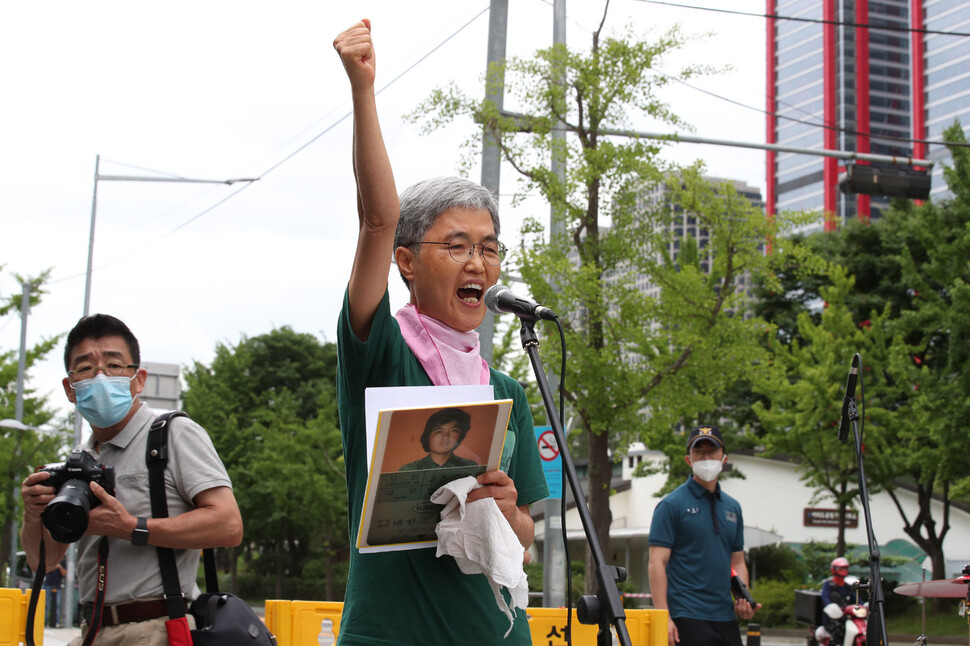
219	89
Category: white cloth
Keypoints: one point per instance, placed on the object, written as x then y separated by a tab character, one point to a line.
481	541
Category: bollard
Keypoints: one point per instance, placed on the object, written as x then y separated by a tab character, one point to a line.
754	635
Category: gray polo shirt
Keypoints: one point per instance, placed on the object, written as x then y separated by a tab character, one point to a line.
193	467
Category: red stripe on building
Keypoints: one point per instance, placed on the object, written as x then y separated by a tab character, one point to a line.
918	57
863	123
771	123
830	170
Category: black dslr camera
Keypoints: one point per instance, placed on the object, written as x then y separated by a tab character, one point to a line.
66	516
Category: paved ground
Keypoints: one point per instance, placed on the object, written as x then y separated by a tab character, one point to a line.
59	636
62	636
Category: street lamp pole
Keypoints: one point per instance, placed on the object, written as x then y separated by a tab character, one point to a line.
87	274
98	177
19	417
22	360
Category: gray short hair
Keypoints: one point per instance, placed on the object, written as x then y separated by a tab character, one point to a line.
422	203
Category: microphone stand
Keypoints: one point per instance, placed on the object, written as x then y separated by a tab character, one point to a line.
877	601
606	607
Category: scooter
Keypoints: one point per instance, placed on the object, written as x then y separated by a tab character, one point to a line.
855	618
809	610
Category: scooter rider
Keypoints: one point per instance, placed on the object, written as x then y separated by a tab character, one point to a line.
836	594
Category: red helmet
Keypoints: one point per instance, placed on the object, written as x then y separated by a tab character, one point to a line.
840	563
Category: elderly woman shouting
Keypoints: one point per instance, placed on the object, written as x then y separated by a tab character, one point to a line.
443	234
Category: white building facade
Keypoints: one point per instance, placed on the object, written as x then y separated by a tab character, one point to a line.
777	507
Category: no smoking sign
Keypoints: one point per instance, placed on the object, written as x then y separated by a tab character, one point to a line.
550	459
548	448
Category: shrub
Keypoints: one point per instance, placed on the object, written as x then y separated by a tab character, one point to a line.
777	599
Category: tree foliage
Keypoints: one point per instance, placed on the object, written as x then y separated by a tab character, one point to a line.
896	293
932	374
640	362
802	387
269	404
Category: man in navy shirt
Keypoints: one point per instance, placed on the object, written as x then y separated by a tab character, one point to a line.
696	539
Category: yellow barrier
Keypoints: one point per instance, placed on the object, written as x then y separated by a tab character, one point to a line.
548	627
298	623
13	617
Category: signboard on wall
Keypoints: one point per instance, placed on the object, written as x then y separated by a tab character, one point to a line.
819	517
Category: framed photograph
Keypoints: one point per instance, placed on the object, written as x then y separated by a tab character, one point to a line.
416	451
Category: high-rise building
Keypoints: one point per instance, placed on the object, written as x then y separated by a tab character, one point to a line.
944	75
679	224
870	76
683	224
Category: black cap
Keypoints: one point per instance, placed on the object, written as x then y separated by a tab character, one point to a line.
707	432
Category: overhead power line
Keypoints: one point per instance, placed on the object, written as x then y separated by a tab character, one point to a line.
431	51
387	85
815	124
277	164
838	23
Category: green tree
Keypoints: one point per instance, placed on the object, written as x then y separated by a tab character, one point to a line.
639	363
269	405
932	372
22	449
802	386
906	315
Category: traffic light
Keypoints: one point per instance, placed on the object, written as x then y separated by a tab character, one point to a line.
891	181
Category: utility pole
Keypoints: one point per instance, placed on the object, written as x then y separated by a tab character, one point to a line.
554	566
498	26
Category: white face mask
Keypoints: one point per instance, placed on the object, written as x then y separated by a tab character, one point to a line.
706	470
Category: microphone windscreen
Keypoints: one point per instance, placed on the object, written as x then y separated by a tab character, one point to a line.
491	297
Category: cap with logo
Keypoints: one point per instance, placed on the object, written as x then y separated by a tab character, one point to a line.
709	433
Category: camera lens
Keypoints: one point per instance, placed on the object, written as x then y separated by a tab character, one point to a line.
66	516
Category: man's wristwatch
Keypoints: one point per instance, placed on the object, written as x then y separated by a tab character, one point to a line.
139	536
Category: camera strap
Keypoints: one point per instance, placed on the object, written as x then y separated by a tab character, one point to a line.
95	625
32	604
156	457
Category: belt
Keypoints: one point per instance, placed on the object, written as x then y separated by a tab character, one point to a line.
127	612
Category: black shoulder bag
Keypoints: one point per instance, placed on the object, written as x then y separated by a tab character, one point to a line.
221	619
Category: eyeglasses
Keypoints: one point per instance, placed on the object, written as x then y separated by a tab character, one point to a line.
705	451
89	370
462	249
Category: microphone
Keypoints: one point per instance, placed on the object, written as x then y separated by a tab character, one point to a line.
849	396
499	299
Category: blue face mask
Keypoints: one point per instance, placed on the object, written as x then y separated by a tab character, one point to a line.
103	401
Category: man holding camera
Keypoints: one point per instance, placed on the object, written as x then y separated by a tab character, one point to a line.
104	381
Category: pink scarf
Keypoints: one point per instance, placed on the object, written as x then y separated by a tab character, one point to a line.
450	357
